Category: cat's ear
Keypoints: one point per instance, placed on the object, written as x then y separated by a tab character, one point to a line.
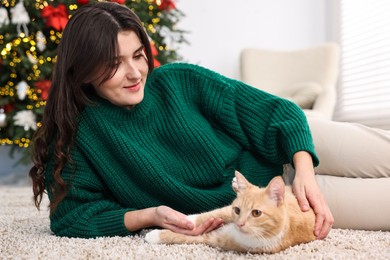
239	183
276	189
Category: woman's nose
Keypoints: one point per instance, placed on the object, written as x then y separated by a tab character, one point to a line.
132	71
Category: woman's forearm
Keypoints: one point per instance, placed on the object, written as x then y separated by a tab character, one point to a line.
138	219
303	163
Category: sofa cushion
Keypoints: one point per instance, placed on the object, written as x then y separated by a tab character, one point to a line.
303	94
350	149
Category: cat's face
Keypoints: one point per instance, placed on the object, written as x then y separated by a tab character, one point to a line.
259	211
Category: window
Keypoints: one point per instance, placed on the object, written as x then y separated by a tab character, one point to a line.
364	86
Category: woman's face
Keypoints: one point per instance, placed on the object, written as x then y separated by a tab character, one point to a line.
126	87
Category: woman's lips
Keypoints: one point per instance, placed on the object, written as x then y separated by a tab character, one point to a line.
133	88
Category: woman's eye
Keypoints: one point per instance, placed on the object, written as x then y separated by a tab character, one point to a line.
237	210
138	56
256	213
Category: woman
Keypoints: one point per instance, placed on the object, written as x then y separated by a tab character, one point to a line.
124	147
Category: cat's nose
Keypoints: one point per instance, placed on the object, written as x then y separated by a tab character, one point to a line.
241	224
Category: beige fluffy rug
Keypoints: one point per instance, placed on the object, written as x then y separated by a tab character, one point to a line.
25	234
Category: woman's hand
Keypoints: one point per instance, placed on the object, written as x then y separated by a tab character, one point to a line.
168	218
308	194
179	223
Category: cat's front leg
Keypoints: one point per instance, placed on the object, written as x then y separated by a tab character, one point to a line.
153	236
224	213
165	236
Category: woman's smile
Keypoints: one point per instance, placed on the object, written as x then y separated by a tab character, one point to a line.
133	88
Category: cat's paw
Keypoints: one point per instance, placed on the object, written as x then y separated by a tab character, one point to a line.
193	218
153	236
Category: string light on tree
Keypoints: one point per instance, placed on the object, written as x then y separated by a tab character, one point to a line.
30	31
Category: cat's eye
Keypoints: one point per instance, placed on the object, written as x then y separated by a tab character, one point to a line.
256	213
237	210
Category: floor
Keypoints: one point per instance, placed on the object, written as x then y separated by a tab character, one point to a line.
12	173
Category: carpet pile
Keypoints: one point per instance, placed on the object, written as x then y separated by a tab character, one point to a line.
25	234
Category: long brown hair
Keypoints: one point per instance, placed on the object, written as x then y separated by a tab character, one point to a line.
89	42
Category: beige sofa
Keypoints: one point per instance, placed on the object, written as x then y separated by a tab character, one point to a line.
305	76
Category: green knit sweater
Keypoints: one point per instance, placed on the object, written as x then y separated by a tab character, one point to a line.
179	147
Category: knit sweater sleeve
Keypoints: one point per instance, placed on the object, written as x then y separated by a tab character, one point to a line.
269	126
89	209
266	124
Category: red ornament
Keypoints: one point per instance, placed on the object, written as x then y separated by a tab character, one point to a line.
165	5
119	1
153	49
56	17
82	2
156	63
44	86
8	108
154	53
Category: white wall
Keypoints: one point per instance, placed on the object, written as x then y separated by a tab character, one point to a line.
220	29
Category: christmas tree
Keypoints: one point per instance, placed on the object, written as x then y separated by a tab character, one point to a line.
30	31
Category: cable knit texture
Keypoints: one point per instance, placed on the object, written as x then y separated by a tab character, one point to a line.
179	147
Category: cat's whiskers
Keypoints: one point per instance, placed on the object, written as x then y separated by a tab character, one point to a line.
257	240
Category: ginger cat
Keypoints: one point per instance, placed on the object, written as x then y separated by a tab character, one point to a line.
260	220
